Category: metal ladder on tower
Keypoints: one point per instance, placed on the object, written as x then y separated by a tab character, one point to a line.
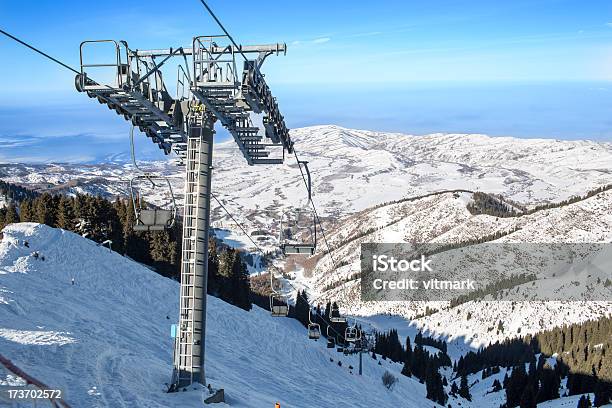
189	353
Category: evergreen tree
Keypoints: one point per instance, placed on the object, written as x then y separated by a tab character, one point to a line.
434	385
406	369
302	307
240	283
454	389
2	218
130	240
11	215
584	402
549	385
25	210
464	388
602	394
65	214
515	386
408	353
45	212
163	253
528	399
419	360
233	280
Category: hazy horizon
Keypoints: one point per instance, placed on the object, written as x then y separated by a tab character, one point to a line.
69	127
537	69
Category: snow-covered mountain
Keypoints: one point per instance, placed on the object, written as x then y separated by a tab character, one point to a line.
444	218
355	172
369	187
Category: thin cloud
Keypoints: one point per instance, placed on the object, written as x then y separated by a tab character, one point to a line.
319	40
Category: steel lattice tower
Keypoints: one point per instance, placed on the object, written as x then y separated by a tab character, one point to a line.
211	86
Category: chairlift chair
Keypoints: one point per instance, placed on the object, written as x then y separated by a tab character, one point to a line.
352	334
298	229
314	329
278	305
334	315
298	232
152	219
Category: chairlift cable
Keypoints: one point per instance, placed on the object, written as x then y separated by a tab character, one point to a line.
237	223
314	207
329	324
133	154
39	51
212	14
224	30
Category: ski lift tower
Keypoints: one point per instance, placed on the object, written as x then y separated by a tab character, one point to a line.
217	82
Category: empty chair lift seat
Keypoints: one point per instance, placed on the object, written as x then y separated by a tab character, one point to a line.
154	220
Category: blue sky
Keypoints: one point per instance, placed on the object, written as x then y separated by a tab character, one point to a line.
339	41
343	57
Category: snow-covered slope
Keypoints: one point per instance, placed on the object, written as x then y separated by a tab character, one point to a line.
444	218
105	340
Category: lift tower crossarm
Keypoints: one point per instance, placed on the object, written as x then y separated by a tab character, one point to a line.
230	49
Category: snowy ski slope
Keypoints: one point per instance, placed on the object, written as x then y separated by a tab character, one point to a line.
106	339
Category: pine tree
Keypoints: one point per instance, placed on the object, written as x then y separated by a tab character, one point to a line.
464	388
602	394
408	353
584	402
419	360
454	389
549	385
233	280
302	307
434	385
129	218
11	215
406	369
528	399
45	212
65	214
25	210
163	253
241	287
515	386
2	218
